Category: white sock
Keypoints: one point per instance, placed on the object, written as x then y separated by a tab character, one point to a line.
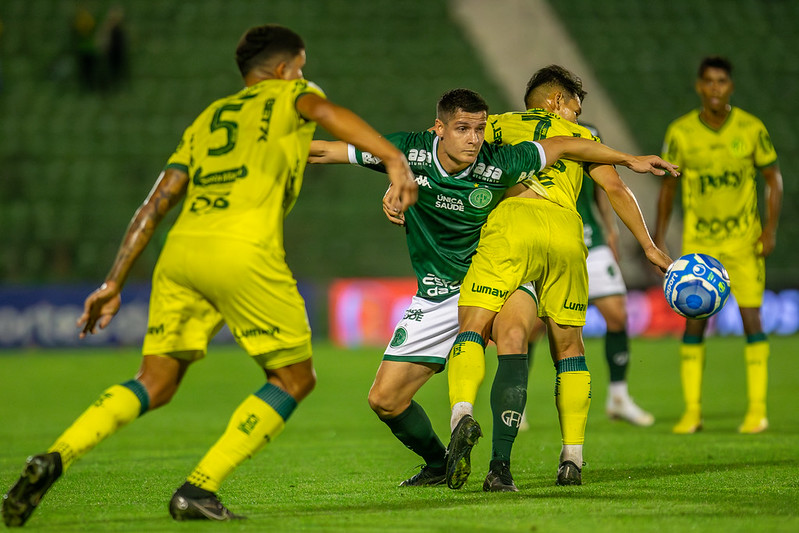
459	410
618	390
573	453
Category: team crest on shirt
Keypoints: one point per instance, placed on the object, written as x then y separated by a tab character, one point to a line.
399	338
480	198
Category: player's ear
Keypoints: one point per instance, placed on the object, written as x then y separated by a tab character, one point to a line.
281	69
438	127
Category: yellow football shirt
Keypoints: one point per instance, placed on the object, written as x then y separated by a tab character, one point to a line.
561	182
719	168
245	156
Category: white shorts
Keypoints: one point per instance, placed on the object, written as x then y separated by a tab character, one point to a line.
428	329
604	274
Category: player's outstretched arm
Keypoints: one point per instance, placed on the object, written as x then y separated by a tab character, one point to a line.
626	206
586	150
665	204
101	305
350	128
327	152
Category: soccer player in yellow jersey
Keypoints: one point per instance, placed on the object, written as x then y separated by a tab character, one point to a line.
721	148
538	236
238	169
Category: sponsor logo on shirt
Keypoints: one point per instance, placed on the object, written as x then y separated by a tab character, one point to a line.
449	203
419	156
487	172
439	287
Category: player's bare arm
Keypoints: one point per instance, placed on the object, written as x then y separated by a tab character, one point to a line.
773	199
586	150
608	220
328	152
665	203
626	206
101	305
349	127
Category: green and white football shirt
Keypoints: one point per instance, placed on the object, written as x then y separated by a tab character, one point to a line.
443	227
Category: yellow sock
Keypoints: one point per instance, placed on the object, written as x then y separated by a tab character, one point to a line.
756	354
256	422
117	406
692	366
572	398
467	368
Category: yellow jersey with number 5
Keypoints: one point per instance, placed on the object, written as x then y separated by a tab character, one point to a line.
245	156
719	167
560	182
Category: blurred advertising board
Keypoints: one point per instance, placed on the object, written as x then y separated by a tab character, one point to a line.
364	311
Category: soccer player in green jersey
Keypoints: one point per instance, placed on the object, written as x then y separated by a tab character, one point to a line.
721	148
460	180
551	252
238	170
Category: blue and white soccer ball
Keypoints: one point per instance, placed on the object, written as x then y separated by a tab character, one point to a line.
696	286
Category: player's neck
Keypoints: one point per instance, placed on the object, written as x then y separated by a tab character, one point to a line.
715	118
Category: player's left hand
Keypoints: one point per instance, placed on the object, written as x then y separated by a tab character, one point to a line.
659	258
652	163
393	213
99	308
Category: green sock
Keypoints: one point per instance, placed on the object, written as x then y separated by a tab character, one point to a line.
508	397
616	352
530	352
413	429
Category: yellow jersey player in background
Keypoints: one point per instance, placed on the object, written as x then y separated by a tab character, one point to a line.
720	149
239	169
538	236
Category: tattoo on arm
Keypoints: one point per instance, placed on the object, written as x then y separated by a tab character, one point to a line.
167	192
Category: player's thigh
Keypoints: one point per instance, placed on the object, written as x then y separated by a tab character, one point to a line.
747	269
516	321
425	333
563	287
258	297
604	274
614	310
181	319
396	383
508	255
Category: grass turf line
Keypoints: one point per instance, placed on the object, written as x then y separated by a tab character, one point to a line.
336	467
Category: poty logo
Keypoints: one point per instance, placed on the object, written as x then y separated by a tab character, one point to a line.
512	419
699	270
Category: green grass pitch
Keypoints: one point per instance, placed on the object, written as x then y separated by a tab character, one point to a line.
336	467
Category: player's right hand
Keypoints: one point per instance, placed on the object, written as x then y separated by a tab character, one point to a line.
99	308
654	164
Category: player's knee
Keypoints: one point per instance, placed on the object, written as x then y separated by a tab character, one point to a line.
511	338
384	405
303	386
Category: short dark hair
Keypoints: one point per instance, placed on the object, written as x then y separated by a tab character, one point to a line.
715	62
464	99
555	75
262	43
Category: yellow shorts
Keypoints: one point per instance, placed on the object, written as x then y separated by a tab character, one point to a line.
200	283
746	268
534	240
